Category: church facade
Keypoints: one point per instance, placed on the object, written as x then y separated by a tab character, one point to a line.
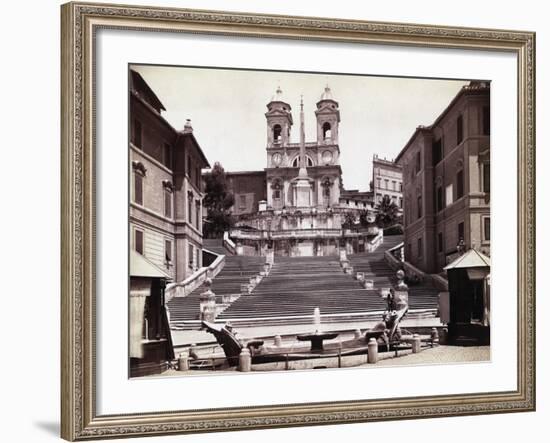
305	209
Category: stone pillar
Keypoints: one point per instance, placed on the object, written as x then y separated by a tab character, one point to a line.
416	343
183	361
372	356
357	333
443	336
207	303
434	336
245	360
343	256
278	341
401	293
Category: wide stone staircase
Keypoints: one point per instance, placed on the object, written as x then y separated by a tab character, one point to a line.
215	245
297	285
237	270
375	267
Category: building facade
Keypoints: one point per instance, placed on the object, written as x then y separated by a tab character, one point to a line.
387	181
165	186
446	181
299	205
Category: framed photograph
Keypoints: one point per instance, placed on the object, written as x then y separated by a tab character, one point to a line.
277	221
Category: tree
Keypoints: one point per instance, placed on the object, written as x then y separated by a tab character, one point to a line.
388	213
218	202
349	220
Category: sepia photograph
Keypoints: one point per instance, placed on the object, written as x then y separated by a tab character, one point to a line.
296	221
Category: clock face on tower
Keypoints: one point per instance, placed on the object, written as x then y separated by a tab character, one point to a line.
327	157
277	159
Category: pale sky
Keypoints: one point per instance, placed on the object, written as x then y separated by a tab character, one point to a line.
227	107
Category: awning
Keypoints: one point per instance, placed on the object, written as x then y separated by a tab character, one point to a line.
470	259
141	267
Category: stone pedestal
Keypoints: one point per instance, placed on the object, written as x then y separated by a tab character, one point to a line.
372	356
183	361
360	276
357	333
245	360
277	340
368	284
207	303
303	193
416	344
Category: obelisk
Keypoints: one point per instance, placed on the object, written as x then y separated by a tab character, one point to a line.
303	187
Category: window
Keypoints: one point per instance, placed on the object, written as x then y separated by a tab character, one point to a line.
440	242
461	231
138	241
400	187
136	135
459	129
486	124
449	194
417	162
277	194
439	198
378	182
394	185
242	201
190	256
138	188
168	251
198	178
277	133
295	162
419	246
197	257
419	206
487	228
460	184
198	214
386	181
401	202
167	203
190	207
167	155
437	153
326	131
486	177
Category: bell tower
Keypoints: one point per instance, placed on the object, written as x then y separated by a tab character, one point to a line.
279	121
328	118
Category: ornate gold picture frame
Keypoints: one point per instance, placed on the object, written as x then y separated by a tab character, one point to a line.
80	23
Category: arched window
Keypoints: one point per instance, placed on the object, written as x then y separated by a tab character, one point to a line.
295	162
277	133
326	131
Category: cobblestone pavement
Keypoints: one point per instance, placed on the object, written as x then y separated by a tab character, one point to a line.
437	355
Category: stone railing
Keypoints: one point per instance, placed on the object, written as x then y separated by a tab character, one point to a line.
185	287
410	270
306	233
228	243
243	234
376	241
